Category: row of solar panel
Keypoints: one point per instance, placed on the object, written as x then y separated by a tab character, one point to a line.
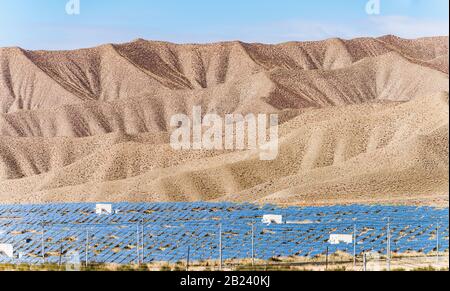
109	244
162	231
85	213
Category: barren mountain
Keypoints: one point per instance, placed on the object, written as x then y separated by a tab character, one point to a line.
362	121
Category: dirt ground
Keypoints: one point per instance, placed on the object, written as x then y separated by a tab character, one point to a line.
337	262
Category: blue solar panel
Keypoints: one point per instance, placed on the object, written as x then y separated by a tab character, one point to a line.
152	232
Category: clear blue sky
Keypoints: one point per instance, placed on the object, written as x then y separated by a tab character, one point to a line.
44	24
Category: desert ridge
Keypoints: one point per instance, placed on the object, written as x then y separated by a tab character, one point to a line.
360	121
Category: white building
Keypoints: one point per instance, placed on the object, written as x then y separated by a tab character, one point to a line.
336	239
7	250
270	218
101	209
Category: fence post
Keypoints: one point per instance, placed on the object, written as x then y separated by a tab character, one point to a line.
365	262
437	245
220	247
87	248
388	249
60	254
138	253
253	244
326	260
354	247
42	244
143	242
188	258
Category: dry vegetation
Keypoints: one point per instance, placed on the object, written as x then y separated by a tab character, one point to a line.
364	121
335	262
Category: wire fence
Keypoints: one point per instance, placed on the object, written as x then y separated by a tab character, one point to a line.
227	245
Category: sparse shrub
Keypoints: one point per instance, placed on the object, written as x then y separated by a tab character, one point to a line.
425	269
165	268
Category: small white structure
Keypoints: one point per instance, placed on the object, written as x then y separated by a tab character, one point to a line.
336	239
7	250
374	262
101	209
73	261
269	219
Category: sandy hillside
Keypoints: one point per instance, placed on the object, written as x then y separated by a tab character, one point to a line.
362	121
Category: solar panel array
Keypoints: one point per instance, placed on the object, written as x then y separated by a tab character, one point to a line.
168	232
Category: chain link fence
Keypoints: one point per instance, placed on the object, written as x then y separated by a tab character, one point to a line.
221	245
